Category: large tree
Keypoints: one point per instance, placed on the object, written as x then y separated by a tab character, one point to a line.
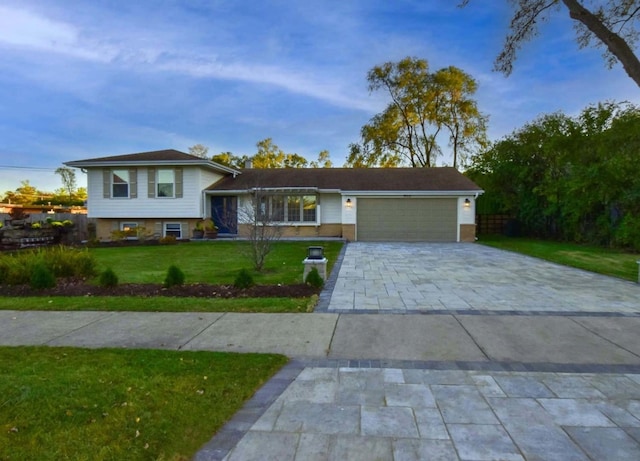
423	107
609	24
574	178
459	113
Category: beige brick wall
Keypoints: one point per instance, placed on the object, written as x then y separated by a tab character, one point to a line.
467	232
324	230
104	227
349	232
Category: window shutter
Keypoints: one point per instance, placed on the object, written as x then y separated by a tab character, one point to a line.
178	178
133	183
151	181
106	183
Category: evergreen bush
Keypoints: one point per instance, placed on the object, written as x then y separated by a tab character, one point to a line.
313	279
174	277
243	280
108	278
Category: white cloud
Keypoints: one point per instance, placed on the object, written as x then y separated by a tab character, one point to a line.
23	28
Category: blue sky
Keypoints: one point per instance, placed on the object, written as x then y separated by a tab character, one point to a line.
81	79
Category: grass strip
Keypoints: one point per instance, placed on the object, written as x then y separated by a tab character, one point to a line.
107	404
158	304
612	262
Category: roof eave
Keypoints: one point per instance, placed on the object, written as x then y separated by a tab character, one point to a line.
413	192
204	163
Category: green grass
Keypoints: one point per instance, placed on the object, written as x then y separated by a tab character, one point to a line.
216	262
157	304
605	261
79	404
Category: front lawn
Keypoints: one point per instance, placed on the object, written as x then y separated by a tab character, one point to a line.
80	404
605	261
216	262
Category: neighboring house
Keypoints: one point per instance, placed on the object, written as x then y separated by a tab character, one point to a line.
168	192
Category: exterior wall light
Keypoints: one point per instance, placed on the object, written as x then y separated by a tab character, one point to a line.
467	203
348	204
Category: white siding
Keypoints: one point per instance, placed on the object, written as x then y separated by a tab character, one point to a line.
189	206
331	206
467	215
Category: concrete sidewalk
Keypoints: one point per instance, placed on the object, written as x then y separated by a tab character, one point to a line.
574	339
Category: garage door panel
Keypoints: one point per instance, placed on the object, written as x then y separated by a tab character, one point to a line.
407	219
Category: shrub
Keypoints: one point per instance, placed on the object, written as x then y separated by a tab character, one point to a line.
42	277
108	278
17	268
174	277
68	262
313	279
168	240
243	280
4	271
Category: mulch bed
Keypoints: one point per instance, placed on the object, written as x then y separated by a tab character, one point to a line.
80	288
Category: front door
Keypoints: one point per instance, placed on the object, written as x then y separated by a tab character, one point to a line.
224	211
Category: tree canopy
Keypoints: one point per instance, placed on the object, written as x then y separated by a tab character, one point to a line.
269	155
610	25
573	178
27	194
424	107
199	150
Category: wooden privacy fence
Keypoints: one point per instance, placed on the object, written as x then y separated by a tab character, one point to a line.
487	224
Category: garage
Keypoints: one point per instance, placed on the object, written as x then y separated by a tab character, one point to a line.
407	219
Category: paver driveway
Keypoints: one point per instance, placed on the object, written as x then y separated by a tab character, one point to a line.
402	277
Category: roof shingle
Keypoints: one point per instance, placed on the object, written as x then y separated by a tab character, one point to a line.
350	179
152	156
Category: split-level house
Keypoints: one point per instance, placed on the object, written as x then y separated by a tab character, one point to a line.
168	192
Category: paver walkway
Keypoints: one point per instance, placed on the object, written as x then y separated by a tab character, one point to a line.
418	277
415	415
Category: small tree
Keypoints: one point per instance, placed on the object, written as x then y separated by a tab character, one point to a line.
260	216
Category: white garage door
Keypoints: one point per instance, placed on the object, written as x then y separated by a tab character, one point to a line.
407	219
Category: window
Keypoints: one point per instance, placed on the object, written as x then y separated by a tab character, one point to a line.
288	208
120	183
293	208
166	181
309	208
130	230
174	229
